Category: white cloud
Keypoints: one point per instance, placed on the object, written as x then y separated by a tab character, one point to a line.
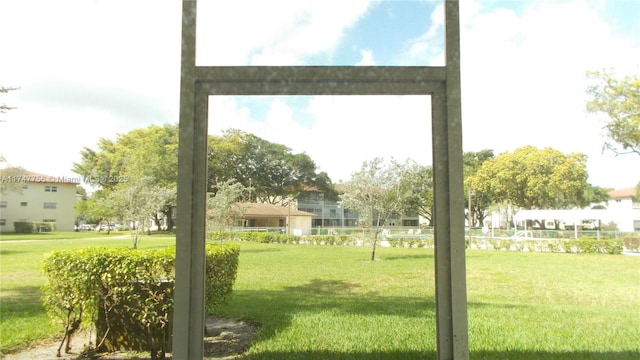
346	130
272	32
523	80
366	58
428	48
111	66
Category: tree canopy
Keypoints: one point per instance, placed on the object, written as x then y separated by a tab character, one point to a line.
619	100
140	158
417	180
227	205
10	178
377	193
148	152
273	171
480	201
533	178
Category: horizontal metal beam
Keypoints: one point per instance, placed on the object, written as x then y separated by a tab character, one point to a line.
320	80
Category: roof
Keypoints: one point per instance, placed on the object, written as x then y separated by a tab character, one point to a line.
33	177
270	210
623	193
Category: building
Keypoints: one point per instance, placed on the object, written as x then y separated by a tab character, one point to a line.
627	207
623	209
39	198
289	219
329	214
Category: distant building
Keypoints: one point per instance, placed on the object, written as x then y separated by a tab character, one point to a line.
329	214
290	220
39	198
623	209
627	207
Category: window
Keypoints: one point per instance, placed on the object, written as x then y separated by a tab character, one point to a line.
23	203
3	222
50	205
49	220
50	188
635	205
3	204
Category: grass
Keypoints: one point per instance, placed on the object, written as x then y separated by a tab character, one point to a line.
319	302
66	235
23	320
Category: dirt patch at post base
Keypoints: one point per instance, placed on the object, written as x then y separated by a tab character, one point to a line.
225	339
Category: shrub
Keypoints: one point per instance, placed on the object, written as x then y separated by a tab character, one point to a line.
30	227
632	243
222	268
127	293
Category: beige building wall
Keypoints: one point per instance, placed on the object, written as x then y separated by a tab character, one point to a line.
37	202
300	225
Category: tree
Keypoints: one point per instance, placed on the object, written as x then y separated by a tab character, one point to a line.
136	201
97	209
376	193
225	206
418	181
150	152
147	152
480	202
619	100
272	170
4	108
533	178
597	194
11	179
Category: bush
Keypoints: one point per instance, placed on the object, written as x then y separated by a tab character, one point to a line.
30	227
632	243
127	293
222	268
591	246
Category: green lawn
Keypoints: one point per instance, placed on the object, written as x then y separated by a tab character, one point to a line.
22	317
66	235
320	302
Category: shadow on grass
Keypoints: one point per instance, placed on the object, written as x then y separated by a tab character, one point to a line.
409	355
275	310
21	295
324	287
10	252
419	256
261	250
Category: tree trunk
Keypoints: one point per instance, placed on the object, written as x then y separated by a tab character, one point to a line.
373	252
169	215
135	237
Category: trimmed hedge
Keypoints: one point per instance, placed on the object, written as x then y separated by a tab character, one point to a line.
127	293
30	227
586	245
632	243
221	270
276	238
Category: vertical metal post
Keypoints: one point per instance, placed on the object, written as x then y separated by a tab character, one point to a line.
451	292
188	318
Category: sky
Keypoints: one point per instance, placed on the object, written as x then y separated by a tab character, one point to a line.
90	69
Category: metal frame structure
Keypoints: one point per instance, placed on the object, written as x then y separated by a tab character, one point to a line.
443	86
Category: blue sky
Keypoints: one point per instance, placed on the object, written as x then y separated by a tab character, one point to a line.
94	68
